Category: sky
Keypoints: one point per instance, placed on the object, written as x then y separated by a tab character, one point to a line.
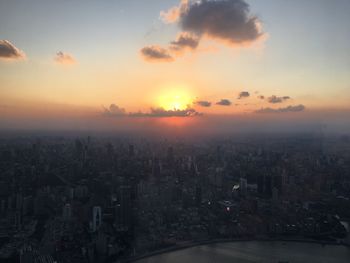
134	64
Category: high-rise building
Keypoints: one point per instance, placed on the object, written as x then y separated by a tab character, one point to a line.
3	207
265	185
18	220
219	154
124	215
278	182
198	195
79	148
243	186
170	156
131	150
156	169
67	212
110	150
26	255
275	193
96	218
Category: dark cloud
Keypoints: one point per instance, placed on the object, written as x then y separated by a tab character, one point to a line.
228	20
262	97
203	103
9	52
156	53
243	94
296	108
224	102
64	58
185	40
116	111
275	99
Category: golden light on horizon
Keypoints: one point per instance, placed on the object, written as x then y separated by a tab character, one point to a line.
175	99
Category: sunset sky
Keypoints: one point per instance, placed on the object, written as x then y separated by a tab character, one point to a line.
124	63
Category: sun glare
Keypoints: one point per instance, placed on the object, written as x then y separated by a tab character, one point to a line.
175	100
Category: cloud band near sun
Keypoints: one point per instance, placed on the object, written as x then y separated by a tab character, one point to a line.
116	111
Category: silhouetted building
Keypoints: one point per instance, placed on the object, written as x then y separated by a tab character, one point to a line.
124	209
264	186
67	212
96	218
131	150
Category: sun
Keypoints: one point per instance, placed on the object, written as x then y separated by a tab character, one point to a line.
176	99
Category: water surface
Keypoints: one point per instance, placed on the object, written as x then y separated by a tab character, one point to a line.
255	251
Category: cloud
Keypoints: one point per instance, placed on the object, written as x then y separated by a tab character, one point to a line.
243	94
185	40
174	13
297	108
224	102
274	99
262	97
156	53
160	112
227	21
10	52
64	58
116	111
203	103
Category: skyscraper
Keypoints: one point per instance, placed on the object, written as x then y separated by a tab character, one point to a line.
125	212
131	150
67	212
96	218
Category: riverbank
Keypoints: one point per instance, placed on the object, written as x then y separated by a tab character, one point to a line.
191	244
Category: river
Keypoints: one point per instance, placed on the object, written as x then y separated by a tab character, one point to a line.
255	251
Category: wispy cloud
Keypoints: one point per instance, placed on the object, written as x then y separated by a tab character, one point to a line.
8	51
274	99
156	53
64	58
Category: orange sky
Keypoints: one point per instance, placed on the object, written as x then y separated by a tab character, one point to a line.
49	71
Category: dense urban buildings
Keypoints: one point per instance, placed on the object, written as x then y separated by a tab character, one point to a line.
110	199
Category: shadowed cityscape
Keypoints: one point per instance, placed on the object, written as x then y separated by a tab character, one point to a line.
100	199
